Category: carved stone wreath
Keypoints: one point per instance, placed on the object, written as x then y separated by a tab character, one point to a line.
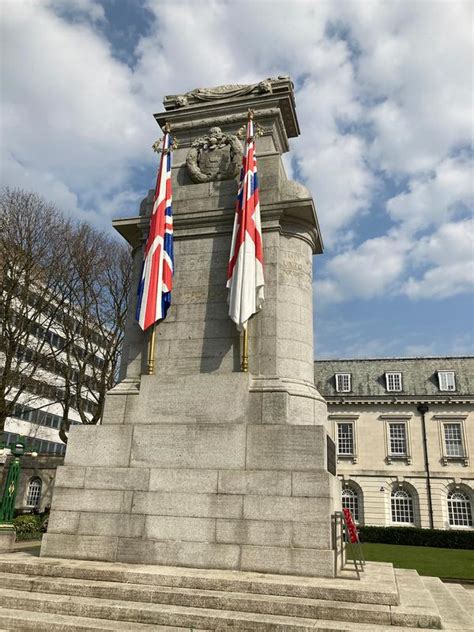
216	156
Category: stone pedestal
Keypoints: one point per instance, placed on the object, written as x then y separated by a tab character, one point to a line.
201	465
7	538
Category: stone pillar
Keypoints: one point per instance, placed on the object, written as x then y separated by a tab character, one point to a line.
202	465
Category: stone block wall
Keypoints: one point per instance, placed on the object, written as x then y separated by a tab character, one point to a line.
231	496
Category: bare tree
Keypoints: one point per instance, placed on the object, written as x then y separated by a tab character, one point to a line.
94	321
64	288
31	279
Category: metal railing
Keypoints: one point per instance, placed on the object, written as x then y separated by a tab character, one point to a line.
344	540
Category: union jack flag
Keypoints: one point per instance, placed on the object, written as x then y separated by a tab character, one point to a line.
156	282
245	270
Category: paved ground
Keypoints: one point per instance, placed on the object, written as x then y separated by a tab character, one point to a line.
32	547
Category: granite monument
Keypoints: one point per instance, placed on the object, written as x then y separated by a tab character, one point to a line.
201	464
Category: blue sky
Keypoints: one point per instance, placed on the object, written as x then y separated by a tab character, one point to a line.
384	97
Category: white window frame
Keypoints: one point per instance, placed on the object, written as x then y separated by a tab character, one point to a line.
340	386
447	381
34	489
391	453
455	440
453	514
446	420
348	417
354	505
346	455
402	493
397	418
392	375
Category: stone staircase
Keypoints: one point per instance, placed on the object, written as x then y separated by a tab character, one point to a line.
45	594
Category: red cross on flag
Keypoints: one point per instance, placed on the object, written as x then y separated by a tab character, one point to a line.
245	270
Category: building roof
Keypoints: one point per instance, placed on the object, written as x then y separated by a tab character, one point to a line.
419	377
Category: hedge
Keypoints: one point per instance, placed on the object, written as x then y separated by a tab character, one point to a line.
29	527
413	536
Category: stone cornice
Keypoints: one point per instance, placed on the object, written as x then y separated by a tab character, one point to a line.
280	97
187	125
351	401
295	217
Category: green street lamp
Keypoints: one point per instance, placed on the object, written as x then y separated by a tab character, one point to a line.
7	505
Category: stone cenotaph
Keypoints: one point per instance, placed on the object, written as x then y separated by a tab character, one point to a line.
200	464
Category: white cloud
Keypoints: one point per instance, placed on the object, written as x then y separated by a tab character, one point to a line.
433	198
181	54
411	74
392	98
437	266
366	271
82	8
413	63
71	127
442	282
449	253
452	243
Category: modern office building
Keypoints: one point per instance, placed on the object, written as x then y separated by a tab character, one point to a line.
37	414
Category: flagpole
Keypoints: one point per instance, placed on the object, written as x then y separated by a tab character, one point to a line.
151	351
245	352
159	147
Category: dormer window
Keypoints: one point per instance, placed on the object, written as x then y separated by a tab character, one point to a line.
393	381
446	380
343	382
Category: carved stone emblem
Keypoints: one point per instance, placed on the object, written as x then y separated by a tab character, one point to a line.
216	156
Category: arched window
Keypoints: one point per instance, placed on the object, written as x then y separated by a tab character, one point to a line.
350	500
33	495
459	510
402	506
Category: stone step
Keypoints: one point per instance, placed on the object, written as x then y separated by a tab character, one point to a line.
377	584
464	597
453	615
26	620
209	599
416	602
161	614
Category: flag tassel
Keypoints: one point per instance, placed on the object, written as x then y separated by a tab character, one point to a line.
151	351
245	352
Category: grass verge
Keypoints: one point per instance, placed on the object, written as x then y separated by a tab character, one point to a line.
452	563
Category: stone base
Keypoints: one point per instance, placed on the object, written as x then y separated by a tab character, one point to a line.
7	538
225	496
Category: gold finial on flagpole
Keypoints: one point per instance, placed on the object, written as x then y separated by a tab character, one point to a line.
157	145
258	129
151	351
245	352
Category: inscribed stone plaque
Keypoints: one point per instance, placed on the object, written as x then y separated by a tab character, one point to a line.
331	449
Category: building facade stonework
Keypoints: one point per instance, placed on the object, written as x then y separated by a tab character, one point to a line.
404	430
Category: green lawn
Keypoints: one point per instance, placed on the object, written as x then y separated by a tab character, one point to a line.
456	563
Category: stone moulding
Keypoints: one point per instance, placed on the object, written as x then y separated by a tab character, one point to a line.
298	215
234	115
227	91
